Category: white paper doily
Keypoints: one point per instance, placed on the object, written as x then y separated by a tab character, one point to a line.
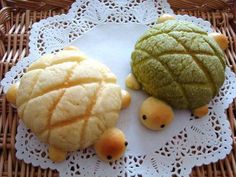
107	30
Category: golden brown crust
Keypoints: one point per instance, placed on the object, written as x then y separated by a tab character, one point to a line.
111	145
56	155
221	39
200	112
156	114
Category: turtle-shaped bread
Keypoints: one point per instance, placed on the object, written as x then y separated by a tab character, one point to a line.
69	102
179	63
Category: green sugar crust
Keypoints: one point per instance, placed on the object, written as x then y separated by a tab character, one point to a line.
178	62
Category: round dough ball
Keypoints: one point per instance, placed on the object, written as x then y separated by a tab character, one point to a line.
201	111
132	83
111	145
11	93
126	99
221	40
71	48
56	155
165	17
155	114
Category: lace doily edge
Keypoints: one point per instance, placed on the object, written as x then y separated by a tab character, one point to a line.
20	154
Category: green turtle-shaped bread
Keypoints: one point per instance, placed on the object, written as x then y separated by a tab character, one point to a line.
179	63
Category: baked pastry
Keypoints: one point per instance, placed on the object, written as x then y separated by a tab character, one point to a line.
156	114
68	101
179	63
111	145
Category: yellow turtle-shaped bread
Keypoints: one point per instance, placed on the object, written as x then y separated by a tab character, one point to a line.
69	101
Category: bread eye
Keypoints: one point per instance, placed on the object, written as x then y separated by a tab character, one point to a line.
109	157
144	117
163	125
126	143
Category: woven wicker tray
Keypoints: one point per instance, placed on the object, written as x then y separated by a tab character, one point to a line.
15	24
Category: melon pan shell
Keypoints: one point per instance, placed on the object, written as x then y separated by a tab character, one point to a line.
67	100
179	63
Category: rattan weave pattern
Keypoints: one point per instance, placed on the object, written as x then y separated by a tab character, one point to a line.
176	4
